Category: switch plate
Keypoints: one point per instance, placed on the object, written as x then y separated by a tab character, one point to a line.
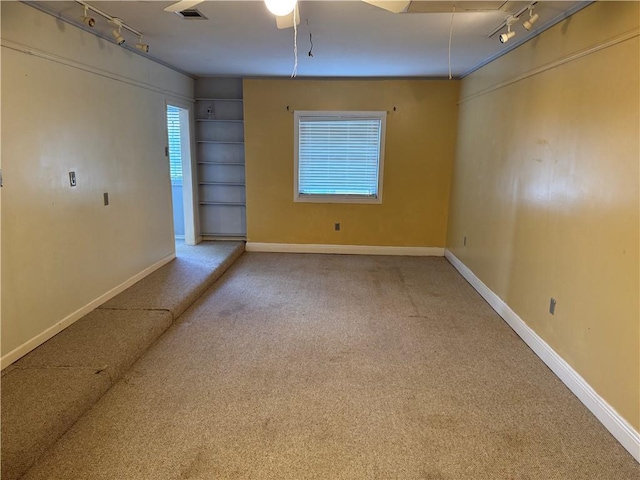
72	179
106	198
552	306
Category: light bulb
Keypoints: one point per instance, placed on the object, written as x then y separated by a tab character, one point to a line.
280	8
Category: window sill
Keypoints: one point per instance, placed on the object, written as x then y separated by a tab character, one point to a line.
352	199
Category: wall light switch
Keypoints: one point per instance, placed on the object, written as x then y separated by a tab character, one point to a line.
337	227
106	198
552	306
72	179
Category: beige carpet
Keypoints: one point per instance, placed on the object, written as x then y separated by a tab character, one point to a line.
338	367
47	390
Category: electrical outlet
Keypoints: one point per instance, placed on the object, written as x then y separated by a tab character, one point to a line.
72	179
337	227
106	198
552	306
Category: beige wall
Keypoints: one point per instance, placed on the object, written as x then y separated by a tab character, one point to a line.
420	144
546	190
61	248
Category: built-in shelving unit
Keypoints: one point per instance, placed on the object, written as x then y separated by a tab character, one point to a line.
220	156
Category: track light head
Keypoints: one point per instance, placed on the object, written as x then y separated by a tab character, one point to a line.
89	21
86	19
528	24
143	47
504	38
119	38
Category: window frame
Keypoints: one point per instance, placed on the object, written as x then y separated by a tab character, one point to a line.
336	198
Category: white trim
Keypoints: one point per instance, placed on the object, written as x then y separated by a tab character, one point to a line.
344	249
554	64
530	36
616	424
18	47
39	339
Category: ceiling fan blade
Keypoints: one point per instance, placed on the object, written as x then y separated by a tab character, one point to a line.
462	6
182	5
286	21
445	6
391	6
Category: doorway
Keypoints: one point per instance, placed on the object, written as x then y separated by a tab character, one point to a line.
179	153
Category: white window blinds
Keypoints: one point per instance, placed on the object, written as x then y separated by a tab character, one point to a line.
175	150
339	153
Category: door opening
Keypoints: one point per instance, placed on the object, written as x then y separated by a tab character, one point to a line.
179	150
175	168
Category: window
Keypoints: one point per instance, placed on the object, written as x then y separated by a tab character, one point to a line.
339	156
175	149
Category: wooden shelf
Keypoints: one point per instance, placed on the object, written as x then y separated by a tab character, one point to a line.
227	204
204	162
227	184
204	99
221	155
221	120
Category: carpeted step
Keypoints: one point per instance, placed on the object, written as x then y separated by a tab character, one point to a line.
48	390
178	284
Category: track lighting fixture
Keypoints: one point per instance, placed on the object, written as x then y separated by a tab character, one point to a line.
504	38
143	47
533	18
280	8
116	22
86	19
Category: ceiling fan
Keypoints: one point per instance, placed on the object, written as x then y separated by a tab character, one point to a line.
394	6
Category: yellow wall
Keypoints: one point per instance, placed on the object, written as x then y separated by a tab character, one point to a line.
62	249
546	190
420	144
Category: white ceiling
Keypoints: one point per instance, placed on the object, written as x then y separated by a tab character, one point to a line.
350	38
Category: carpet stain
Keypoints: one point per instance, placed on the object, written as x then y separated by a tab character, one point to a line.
424	475
266	423
233	310
194	468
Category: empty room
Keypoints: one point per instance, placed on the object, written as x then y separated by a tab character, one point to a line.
280	239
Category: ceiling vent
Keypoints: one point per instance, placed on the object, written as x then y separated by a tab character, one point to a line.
191	14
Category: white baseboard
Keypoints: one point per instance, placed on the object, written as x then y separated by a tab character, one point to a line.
39	339
344	249
617	426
